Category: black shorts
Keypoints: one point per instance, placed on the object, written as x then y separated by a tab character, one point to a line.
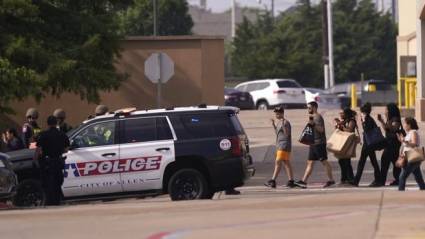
318	152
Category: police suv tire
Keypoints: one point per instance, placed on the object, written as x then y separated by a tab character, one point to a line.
188	184
29	193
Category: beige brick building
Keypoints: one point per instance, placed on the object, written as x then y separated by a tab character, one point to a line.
198	78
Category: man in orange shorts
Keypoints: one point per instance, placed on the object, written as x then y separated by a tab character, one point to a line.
283	148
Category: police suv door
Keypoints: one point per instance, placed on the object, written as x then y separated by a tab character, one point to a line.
146	148
91	166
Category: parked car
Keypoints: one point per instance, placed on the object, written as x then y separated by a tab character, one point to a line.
273	92
323	98
188	153
240	99
8	179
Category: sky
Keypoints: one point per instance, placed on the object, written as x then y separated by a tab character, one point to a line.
280	5
223	5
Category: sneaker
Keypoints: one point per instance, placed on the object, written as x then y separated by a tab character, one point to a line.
328	184
271	183
232	192
301	184
394	183
291	184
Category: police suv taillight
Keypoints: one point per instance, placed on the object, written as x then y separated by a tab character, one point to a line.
236	146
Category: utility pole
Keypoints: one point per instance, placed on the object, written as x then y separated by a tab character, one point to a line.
233	18
272	7
325	44
155	18
394	10
331	44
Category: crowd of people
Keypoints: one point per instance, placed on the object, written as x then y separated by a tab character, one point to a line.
50	144
400	138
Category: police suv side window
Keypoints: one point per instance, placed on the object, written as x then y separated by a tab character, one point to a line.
145	130
207	125
163	129
96	135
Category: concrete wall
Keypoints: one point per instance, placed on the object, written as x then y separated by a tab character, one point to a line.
420	33
199	78
406	40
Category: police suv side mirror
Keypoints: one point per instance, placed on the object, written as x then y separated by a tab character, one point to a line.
73	145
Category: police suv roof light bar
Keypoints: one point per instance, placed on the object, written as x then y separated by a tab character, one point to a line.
125	111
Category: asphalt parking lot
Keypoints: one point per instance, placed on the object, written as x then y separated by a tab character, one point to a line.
259	212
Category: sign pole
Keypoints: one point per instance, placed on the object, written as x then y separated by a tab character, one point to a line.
155	18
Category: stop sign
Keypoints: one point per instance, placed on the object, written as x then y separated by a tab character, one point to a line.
159	66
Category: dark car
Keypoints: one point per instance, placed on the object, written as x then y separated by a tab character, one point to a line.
236	98
188	153
8	179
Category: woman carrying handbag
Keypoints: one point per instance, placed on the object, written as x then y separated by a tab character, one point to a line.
410	143
392	127
368	149
347	123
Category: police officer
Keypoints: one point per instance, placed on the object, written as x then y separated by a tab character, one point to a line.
30	129
51	145
61	116
101	110
105	134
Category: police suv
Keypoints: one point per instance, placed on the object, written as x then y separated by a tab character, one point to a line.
189	153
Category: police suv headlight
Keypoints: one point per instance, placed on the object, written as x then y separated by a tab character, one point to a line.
2	165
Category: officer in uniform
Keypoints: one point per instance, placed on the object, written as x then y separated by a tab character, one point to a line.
101	110
51	145
61	116
30	129
105	134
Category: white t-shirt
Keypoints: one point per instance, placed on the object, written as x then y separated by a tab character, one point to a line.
408	138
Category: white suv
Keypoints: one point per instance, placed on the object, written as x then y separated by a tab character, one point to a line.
272	92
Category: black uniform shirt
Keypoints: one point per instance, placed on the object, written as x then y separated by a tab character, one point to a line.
15	144
52	143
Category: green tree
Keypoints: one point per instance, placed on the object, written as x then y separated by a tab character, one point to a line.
56	46
173	18
252	53
364	42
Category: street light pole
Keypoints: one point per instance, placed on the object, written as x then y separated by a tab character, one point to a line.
331	46
233	18
272	9
325	51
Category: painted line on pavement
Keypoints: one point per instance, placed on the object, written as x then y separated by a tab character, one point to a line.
179	233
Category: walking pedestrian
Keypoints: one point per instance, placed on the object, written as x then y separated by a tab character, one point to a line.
317	151
283	148
410	142
30	129
368	124
51	145
392	127
346	123
61	116
12	141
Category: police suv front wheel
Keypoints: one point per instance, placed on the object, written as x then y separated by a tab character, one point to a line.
188	184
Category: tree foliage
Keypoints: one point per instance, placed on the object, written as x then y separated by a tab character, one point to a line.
173	18
56	46
364	42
